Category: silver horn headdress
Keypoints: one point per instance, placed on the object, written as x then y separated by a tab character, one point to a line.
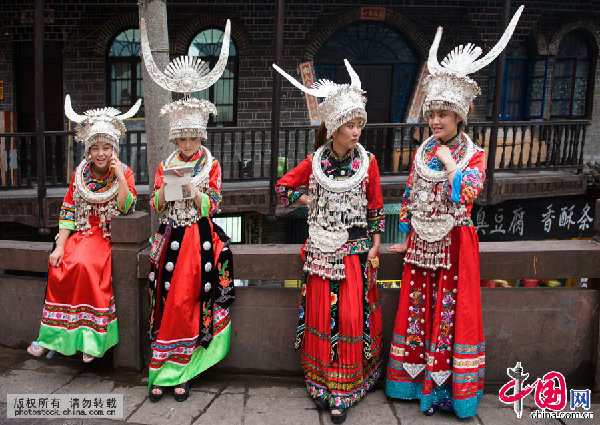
449	87
99	125
188	116
342	103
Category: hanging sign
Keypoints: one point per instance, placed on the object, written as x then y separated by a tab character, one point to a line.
307	72
418	98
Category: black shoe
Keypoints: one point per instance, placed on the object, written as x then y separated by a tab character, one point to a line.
186	391
337	418
431	410
155	397
321	403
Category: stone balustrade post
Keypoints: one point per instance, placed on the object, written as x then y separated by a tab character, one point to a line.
130	235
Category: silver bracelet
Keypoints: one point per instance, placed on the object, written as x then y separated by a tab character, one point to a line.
452	170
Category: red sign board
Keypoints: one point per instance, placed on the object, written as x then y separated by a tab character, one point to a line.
307	73
372	13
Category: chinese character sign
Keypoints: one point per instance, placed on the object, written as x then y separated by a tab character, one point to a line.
372	13
535	219
307	73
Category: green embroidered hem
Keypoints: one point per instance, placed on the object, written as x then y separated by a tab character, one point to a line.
171	374
81	339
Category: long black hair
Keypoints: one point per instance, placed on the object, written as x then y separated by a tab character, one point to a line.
320	136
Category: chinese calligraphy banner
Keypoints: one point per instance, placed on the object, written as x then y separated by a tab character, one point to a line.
307	73
535	219
416	103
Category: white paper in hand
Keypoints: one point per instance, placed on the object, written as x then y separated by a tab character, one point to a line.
178	188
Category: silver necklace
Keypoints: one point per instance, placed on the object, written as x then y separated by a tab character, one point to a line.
87	194
340	185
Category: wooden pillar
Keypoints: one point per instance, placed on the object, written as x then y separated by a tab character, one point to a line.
491	161
38	46
276	105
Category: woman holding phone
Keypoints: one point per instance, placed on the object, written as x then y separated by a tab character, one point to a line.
79	310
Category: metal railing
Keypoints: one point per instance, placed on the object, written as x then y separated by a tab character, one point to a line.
244	152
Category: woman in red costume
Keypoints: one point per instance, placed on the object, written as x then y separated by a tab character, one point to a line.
191	278
438	350
339	331
79	310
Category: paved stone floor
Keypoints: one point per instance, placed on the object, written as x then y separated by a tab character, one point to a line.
225	398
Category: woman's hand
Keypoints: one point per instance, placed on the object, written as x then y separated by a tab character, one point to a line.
117	167
303	200
445	157
443	154
399	248
176	172
373	252
197	195
56	256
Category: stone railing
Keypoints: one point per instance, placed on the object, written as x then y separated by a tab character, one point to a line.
544	328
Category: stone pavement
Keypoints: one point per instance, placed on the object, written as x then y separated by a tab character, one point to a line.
226	398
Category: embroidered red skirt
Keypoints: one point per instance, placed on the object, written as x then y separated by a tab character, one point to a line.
177	312
438	347
79	310
346	380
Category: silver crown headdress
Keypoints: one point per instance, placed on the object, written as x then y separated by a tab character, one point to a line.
188	116
342	103
449	87
99	125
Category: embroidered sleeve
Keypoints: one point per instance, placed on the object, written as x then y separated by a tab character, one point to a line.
128	207
213	192
375	209
287	186
404	217
288	195
66	218
467	184
158	181
131	200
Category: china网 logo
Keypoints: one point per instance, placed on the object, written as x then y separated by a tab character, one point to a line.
550	395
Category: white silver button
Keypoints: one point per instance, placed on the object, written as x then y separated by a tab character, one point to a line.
206	245
169	267
174	245
207	267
